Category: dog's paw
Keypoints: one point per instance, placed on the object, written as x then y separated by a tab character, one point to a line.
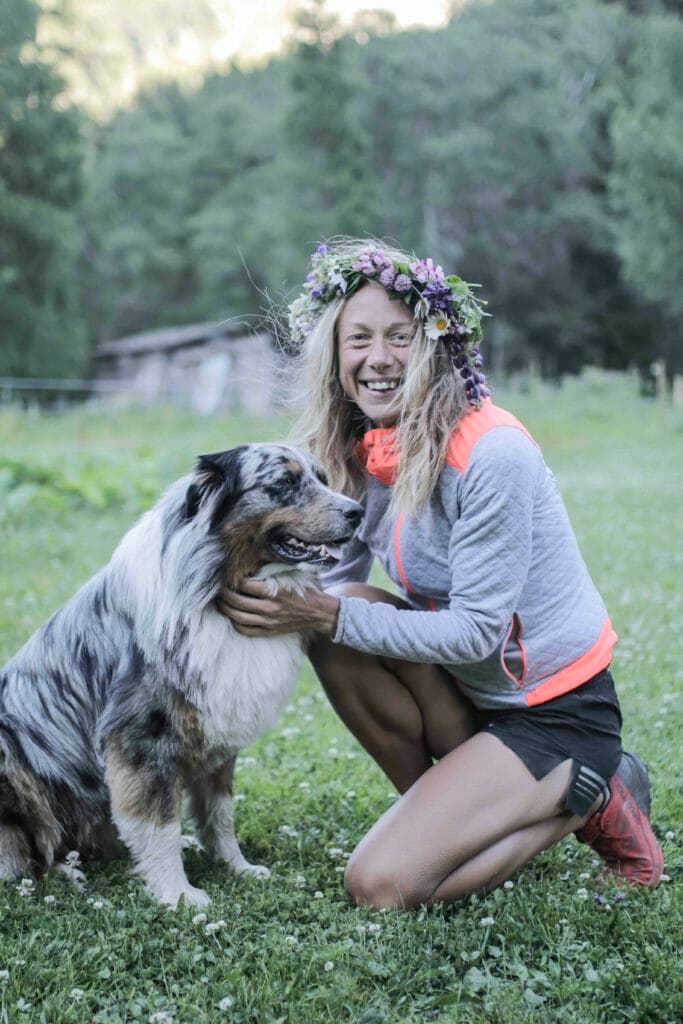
191	896
255	870
190	842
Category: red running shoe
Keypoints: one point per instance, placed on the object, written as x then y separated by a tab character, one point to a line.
621	832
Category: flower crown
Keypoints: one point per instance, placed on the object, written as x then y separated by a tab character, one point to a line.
445	305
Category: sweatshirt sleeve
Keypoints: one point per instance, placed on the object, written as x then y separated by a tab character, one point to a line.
489	556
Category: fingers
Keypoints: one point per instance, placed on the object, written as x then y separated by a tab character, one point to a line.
254	588
236	600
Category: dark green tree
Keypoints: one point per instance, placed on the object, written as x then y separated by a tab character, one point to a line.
135	219
333	184
647	173
41	323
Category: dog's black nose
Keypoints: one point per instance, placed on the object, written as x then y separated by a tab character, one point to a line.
354	515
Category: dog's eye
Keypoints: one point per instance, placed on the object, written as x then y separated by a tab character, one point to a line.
322	477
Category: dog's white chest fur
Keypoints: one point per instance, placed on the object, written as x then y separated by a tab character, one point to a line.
247	681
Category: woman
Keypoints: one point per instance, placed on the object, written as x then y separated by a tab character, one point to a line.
483	691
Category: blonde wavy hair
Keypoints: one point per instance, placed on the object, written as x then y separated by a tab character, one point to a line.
432	400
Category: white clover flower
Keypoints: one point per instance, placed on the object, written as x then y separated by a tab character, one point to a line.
333	752
582	894
300	881
73	859
19	962
199	919
317	895
374	928
225	1003
486	922
161	1017
350	793
26	887
335	852
214	926
584	875
304	785
361	929
238	797
291	940
97	905
49	898
508	884
76	994
329	965
4	974
670	835
22	1005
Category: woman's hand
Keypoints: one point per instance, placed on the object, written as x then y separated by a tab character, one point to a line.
254	613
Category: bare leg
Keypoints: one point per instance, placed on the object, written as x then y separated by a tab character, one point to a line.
211	803
403	713
465	826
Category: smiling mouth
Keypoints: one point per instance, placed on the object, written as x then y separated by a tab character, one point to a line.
293	550
381	386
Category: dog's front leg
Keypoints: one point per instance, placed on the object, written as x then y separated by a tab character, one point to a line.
145	807
211	805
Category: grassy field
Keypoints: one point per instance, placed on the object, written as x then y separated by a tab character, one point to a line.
549	947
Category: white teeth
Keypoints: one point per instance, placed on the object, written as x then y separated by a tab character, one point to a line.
381	385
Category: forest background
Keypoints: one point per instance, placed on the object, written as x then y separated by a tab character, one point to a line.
533	146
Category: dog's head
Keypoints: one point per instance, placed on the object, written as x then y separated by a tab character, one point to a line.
271	503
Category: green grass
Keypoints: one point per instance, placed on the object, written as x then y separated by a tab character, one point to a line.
294	949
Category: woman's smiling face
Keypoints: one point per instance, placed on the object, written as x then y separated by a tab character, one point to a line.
374	333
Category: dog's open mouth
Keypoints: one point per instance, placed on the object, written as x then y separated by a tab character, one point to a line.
288	548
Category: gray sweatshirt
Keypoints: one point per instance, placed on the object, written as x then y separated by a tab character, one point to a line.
497	589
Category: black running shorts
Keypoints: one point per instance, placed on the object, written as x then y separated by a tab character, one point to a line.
584	725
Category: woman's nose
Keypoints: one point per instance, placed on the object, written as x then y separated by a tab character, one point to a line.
380	353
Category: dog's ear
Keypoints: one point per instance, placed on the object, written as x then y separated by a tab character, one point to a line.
217	472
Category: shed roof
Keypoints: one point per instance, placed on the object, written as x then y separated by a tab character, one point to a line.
167	338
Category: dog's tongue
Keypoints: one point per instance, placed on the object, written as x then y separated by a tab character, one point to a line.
333	550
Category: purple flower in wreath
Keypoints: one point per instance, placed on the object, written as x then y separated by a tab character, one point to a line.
365	263
438	296
425	271
402	283
388	276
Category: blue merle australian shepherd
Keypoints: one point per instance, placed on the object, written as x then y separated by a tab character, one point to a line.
138	688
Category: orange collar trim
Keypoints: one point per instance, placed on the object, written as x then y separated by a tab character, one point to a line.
378	452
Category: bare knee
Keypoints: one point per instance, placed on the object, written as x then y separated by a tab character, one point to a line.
372	884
